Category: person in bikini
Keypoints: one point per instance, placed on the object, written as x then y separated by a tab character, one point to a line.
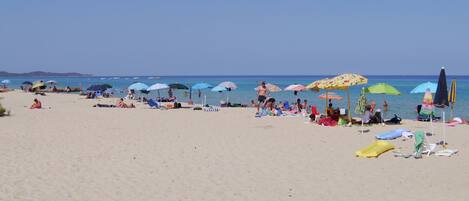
262	92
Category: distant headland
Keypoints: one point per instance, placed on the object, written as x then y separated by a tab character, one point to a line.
42	74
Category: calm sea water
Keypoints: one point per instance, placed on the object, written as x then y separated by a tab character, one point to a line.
403	105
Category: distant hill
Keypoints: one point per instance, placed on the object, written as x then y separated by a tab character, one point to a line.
42	74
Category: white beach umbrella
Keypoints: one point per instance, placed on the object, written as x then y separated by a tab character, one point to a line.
229	85
6	82
51	82
158	87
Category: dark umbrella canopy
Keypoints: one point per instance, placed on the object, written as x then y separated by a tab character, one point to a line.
441	95
99	87
178	86
27	83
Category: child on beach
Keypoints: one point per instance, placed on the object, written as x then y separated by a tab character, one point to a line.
36	105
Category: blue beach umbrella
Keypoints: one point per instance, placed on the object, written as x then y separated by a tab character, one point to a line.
138	86
422	88
200	86
219	89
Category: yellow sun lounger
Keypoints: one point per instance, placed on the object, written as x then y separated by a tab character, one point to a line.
375	149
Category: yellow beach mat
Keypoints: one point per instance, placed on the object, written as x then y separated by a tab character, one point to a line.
375	149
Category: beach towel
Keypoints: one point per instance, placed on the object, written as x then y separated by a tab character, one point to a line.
419	138
391	134
152	103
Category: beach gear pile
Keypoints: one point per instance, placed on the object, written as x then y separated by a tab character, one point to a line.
421	146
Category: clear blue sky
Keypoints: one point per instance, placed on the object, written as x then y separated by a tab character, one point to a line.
235	37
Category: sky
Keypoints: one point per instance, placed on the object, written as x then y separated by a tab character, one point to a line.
241	37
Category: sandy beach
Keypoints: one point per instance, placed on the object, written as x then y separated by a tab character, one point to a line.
72	151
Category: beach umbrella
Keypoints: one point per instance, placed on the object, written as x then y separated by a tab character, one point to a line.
5	82
361	104
228	85
422	88
270	87
178	86
219	89
452	96
51	82
200	86
330	95
441	99
340	82
382	88
138	86
38	85
27	83
157	87
295	88
427	104
441	94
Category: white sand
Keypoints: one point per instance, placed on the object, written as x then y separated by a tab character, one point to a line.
73	151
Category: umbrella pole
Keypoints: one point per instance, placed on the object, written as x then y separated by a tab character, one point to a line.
348	106
444	129
327	98
159	93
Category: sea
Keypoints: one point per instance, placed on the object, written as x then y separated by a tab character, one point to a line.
403	105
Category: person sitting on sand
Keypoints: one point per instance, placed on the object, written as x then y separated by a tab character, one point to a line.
121	104
36	105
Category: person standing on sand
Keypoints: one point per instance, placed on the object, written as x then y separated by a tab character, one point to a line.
385	106
262	93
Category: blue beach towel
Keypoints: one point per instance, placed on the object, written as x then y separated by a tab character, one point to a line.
390	135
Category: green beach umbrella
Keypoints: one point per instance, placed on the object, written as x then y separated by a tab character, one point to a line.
382	88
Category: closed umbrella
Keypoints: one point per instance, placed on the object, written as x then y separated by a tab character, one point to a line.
361	104
452	96
361	107
441	94
441	98
422	88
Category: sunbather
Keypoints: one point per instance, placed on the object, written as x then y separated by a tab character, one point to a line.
36	105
